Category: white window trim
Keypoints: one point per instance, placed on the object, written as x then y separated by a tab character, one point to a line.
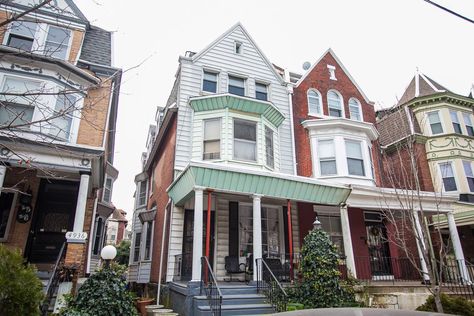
265	126
363	149
267	84
338	167
39	39
203	122
241	47
11	214
321	114
438	165
359	106
111	189
468	189
463	113
217	73
137	204
257	143
428	123
343	111
459	122
240	76
145	228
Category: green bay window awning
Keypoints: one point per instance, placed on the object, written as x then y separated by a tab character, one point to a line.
247	182
238	103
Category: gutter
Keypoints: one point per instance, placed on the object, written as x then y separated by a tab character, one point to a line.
289	87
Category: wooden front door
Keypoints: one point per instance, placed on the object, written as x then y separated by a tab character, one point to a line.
54	216
188	237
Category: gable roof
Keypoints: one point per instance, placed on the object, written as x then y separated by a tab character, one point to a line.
97	46
236	26
65	9
420	86
331	52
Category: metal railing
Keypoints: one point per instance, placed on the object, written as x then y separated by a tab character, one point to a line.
268	284
212	290
53	281
457	278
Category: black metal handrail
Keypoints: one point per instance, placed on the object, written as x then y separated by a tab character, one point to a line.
269	285
209	284
457	280
53	281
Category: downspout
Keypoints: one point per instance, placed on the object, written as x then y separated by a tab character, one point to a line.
289	89
92	234
162	250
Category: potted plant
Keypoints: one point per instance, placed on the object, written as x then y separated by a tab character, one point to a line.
142	303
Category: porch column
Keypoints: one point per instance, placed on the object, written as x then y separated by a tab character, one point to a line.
81	202
347	239
3	172
197	241
458	253
257	233
421	246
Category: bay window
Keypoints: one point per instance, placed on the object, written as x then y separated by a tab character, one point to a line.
355	160
435	123
327	157
245	140
468	123
269	147
236	85
334	104
211	141
447	174
455	121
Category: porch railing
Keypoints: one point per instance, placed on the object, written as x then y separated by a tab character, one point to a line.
209	285
456	280
53	281
268	284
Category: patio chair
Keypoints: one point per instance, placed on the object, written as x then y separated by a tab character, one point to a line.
232	266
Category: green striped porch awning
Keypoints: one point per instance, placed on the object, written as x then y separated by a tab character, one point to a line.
241	181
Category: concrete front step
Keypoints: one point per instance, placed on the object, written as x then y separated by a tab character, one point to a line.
237	289
234	299
241	309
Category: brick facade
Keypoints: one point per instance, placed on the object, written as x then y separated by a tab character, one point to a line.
163	164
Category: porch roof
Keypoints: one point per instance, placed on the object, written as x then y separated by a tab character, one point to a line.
247	182
235	102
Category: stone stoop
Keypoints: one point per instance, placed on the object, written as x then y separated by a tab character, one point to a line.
236	300
406	297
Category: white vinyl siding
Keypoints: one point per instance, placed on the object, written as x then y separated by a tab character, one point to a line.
250	64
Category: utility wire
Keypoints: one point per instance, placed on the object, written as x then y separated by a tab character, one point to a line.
450	11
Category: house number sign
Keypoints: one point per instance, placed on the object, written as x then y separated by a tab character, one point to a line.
76	237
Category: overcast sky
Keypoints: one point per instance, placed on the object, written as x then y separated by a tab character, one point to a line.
381	43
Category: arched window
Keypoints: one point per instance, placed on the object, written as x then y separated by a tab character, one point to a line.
334	104
314	102
355	109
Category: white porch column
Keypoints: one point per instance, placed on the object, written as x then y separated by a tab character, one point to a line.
458	253
3	172
257	233
347	239
198	226
81	203
421	246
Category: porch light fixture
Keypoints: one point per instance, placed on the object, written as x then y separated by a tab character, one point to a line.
317	223
108	253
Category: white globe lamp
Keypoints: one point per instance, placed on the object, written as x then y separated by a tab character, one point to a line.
108	253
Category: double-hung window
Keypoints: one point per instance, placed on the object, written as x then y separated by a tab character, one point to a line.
236	85
354	109
107	197
331	224
447	175
22	35
99	233
245	140
20	96
142	193
435	123
212	139
355	160
63	113
468	123
148	238
469	175
209	82
57	42
314	103
334	104
269	147
261	91
327	157
455	121
136	247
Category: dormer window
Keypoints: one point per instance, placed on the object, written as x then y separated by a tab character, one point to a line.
261	91
355	110
236	85
238	48
314	103
334	104
22	35
209	82
57	42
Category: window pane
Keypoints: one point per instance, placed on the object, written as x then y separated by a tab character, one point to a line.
261	91
468	123
433	117
467	168
244	150
19	42
435	123
449	184
314	102
23	28
245	130
212	149
454	116
328	167
210	82
334	104
15	114
354	109
237	90
14	87
236	86
65	106
58	35
142	193
212	129
269	147
356	167
353	149
136	251
98	235
446	170
326	149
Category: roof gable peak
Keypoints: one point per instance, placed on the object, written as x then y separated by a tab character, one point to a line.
420	85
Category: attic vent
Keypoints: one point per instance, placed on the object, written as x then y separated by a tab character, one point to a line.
238	48
332	72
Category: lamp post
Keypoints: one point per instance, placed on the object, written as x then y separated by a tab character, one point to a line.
317	224
108	253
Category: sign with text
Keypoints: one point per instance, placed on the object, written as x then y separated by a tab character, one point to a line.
76	237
